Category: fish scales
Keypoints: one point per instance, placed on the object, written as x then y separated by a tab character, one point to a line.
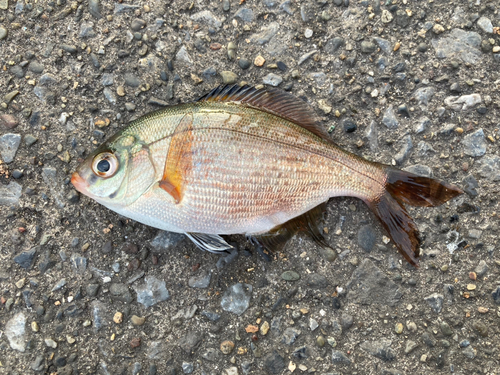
272	180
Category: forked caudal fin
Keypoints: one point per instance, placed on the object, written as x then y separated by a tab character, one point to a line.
404	187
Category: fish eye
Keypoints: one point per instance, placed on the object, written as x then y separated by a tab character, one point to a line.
105	164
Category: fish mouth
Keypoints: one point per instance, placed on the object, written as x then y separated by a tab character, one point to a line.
79	183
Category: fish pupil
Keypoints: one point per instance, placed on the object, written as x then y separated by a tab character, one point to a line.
103	166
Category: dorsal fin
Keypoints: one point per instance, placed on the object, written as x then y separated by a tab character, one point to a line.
270	100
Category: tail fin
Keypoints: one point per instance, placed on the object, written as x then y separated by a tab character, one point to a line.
404	187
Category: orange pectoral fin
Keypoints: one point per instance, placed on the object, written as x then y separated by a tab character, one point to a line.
179	159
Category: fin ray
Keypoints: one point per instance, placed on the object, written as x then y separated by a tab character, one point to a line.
209	242
270	100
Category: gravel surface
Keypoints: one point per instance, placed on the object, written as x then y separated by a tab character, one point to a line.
408	83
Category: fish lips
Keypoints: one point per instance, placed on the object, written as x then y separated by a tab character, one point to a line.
79	183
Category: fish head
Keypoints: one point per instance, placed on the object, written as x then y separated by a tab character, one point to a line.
117	173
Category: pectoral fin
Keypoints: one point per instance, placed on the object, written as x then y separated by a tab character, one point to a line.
179	159
209	242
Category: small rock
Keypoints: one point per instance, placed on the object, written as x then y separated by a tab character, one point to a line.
50	343
9	143
201	281
3	33
266	34
339	357
274	363
152	291
474	144
25	259
380	349
236	299
435	301
244	63
290	335
15	332
245	14
349	125
366	238
272	79
481	269
390	119
423	95
368	47
183	58
485	25
35	67
226	347
290	276
386	16
228	77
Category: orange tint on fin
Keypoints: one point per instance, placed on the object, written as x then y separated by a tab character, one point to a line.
178	162
404	187
277	238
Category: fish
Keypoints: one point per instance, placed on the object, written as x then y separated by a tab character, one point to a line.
246	160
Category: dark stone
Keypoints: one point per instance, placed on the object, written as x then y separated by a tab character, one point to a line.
470	185
336	303
349	125
211	315
300	353
137	24
17	71
428	340
92	290
95	9
200	45
25	259
46	262
369	285
131	80
333	45
107	247
403	110
496	295
339	357
366	238
60	361
17	174
244	63
317	281
274	363
190	342
380	349
120	292
282	66
69	48
346	321
399	67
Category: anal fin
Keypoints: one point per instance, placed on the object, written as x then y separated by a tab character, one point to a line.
277	238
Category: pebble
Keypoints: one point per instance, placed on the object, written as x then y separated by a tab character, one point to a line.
272	79
485	25
208	18
50	343
339	357
274	363
474	144
201	281
405	146
137	24
226	347
236	299
109	95
15	332
183	58
266	34
308	33
389	119
422	124
423	95
244	63
25	259
366	238
228	77
410	346
306	57
349	125
187	367
259	61
3	33
398	328
368	47
95	9
9	144
245	14
152	291
264	328
369	285
290	276
386	16
380	349
458	44
435	301
35	67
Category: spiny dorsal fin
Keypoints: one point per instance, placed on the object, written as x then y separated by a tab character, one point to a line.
271	100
